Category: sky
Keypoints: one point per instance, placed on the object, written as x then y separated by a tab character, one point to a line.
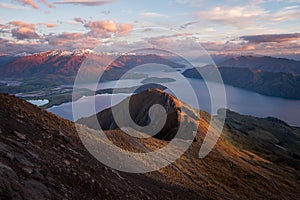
266	27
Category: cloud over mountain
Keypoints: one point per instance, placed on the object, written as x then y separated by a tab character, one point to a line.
271	38
104	27
22	30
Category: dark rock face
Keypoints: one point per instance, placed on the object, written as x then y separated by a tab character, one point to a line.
139	106
178	114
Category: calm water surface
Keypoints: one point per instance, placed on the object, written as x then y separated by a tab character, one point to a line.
239	100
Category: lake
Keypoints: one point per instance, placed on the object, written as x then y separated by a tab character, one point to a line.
239	100
39	102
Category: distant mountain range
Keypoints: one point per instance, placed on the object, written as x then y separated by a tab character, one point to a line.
65	63
262	74
268	83
47	68
56	67
263	63
266	75
41	157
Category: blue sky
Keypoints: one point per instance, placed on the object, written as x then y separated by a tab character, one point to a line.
219	26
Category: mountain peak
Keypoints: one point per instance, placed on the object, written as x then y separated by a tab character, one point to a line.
139	108
59	52
81	52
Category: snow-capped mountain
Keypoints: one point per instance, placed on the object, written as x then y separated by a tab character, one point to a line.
59	63
58	52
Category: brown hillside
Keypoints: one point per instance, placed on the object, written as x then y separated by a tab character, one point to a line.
41	157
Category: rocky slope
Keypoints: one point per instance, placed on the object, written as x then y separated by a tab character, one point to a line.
41	157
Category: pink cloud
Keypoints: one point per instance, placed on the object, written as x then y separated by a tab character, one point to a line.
69	40
271	38
22	33
237	16
34	4
49	5
10	6
22	24
104	28
22	30
48	25
100	26
30	3
125	28
29	25
79	19
97	31
63	38
84	2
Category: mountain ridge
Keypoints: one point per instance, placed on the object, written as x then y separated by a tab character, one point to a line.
41	157
68	62
263	63
278	84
